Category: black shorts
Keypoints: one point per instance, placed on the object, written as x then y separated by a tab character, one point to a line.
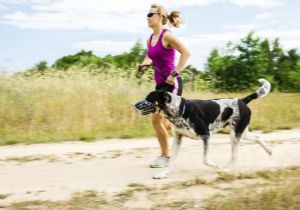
176	88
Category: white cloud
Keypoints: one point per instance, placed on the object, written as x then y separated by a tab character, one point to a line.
80	21
129	16
99	15
264	16
290	38
93	15
243	27
258	3
200	46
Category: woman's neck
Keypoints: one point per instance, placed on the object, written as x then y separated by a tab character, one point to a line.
157	30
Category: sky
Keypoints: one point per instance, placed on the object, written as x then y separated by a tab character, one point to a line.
36	30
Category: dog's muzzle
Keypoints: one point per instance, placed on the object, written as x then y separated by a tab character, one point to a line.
144	107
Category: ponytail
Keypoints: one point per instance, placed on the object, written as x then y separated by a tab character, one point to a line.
175	19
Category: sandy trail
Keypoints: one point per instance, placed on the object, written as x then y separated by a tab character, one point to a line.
55	171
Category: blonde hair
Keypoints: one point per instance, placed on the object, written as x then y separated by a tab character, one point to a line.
174	17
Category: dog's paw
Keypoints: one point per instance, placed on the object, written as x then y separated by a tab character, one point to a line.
161	175
211	164
269	152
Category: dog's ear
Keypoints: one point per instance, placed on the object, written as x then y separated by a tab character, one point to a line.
153	97
166	96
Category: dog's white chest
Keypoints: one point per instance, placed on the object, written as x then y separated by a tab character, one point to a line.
184	128
188	133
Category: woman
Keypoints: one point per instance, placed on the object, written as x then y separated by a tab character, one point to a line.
161	46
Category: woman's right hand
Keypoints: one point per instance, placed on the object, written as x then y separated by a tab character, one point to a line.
141	69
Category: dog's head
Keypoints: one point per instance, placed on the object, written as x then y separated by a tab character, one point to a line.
169	103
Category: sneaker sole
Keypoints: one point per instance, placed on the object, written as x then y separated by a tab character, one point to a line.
157	166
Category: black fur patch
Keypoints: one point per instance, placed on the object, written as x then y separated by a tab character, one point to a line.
243	121
159	97
226	114
201	113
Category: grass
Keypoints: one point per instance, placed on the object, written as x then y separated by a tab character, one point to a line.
4	196
31	158
279	190
85	200
276	198
76	105
282	191
185	184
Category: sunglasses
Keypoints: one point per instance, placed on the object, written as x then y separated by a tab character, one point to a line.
150	14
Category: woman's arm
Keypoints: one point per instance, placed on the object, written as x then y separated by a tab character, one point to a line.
147	60
173	42
142	66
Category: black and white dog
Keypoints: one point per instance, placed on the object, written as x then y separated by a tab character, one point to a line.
197	119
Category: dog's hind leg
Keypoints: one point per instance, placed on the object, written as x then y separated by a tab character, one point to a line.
206	155
175	150
248	136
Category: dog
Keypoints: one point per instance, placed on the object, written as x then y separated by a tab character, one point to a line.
198	119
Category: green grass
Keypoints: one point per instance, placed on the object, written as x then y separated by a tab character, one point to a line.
76	105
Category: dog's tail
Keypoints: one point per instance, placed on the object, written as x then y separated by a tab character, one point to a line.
261	92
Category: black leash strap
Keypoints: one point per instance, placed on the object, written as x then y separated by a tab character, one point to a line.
155	69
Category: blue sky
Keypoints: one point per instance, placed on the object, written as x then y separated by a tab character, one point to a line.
35	30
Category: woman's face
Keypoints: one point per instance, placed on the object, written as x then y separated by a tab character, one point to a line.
153	18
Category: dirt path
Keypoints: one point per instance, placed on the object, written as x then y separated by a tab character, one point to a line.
55	171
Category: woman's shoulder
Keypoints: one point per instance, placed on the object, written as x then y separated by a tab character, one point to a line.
167	34
166	31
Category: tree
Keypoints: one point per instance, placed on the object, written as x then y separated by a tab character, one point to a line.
41	66
288	71
240	65
81	59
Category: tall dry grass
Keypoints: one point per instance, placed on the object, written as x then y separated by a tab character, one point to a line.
80	105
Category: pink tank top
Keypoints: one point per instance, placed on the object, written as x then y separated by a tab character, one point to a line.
163	59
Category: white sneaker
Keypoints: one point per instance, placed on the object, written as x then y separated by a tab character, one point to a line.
160	162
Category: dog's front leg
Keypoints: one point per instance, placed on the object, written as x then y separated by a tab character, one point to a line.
175	150
234	139
206	159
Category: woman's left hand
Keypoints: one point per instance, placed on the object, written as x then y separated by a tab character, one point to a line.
170	80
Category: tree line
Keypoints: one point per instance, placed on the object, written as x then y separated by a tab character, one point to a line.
236	67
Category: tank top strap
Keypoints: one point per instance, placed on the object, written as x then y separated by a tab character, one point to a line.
150	40
161	35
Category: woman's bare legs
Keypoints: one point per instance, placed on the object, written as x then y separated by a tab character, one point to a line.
161	126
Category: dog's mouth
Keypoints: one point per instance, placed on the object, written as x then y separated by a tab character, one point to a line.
144	107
